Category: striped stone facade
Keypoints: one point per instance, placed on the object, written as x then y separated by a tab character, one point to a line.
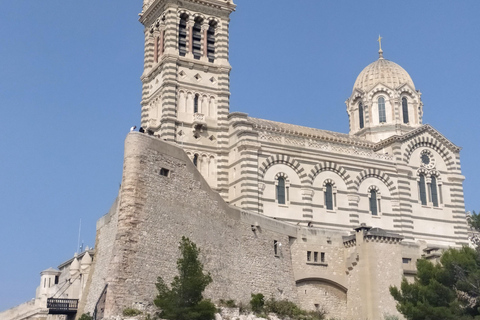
186	101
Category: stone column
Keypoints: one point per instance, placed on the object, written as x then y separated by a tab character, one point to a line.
190	24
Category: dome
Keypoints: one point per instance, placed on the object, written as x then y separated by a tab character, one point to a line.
382	71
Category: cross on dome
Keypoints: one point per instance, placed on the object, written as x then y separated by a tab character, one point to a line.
380	51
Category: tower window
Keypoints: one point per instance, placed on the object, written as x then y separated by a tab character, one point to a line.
156	49
329	196
309	255
211	42
405	110
422	190
182	36
195	103
360	115
433	187
382	117
197	40
195	160
281	190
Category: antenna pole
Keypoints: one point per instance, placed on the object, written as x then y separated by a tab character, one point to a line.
79	231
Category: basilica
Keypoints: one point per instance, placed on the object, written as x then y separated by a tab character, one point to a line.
389	171
327	220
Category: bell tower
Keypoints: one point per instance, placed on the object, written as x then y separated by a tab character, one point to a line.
186	78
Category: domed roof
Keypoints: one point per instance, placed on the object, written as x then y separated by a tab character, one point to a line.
382	71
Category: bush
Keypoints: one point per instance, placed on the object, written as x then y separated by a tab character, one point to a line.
283	309
131	312
86	316
227	303
257	302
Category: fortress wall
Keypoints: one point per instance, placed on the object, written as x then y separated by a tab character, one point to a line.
155	211
321	283
106	231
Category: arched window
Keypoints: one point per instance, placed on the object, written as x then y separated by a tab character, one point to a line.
195	103
373	202
434	193
211	41
281	190
182	35
197	39
382	117
329	196
195	160
422	190
405	110
360	115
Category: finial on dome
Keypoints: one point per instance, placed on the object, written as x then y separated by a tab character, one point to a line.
380	52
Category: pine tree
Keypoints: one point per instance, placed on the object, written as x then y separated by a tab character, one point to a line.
184	301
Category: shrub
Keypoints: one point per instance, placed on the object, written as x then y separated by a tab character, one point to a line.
228	303
86	316
257	302
131	312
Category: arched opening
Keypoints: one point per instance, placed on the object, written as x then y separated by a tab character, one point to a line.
360	115
281	190
434	191
329	196
182	35
195	103
197	38
382	117
195	160
422	190
211	41
373	202
405	110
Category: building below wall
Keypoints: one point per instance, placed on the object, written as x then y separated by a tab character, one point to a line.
58	294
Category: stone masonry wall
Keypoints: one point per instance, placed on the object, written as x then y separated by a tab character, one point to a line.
106	232
155	211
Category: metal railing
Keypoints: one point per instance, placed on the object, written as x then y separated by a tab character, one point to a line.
62	306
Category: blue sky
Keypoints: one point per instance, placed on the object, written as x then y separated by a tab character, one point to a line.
70	90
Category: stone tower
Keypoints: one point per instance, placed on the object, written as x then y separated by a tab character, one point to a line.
186	79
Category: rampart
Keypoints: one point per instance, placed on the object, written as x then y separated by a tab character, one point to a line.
162	198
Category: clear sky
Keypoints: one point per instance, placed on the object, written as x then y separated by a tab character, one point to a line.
70	90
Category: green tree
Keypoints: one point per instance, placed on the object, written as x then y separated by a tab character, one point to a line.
442	291
184	301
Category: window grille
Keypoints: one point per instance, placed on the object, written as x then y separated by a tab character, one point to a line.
197	40
211	43
182	37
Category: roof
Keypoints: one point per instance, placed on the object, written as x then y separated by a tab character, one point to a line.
285	128
382	71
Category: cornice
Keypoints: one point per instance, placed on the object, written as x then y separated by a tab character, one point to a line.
223	5
425	128
339	140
